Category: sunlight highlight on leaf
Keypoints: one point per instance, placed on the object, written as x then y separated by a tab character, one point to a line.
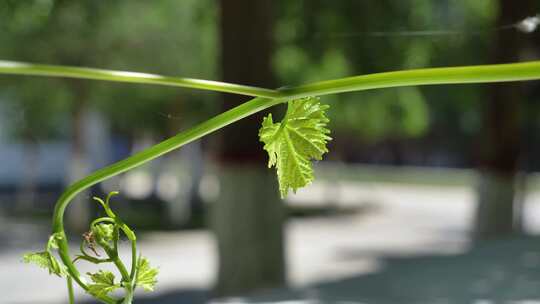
292	144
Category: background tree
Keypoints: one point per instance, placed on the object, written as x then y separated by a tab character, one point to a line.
248	218
501	136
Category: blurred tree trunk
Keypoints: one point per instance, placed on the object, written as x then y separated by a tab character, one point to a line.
248	217
495	215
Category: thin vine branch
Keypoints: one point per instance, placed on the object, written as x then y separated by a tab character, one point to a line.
265	98
23	68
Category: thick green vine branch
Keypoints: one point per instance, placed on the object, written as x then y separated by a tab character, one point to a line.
264	98
447	75
246	109
420	77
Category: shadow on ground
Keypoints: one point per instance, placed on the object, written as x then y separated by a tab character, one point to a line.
503	271
188	296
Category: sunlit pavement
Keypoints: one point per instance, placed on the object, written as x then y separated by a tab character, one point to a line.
378	225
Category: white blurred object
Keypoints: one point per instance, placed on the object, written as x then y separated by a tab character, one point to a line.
137	185
209	188
167	187
173	187
529	24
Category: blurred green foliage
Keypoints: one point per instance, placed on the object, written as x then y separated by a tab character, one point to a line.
335	39
314	40
172	37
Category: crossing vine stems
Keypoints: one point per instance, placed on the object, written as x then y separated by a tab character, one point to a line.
107	229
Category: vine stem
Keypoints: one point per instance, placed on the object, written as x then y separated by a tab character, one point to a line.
23	68
71	297
420	77
265	98
253	106
431	76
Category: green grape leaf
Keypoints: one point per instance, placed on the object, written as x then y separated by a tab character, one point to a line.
146	275
103	231
292	144
103	283
46	260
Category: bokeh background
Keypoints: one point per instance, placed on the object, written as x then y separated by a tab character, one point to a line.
428	195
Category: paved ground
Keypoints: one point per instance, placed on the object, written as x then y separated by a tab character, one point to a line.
392	244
